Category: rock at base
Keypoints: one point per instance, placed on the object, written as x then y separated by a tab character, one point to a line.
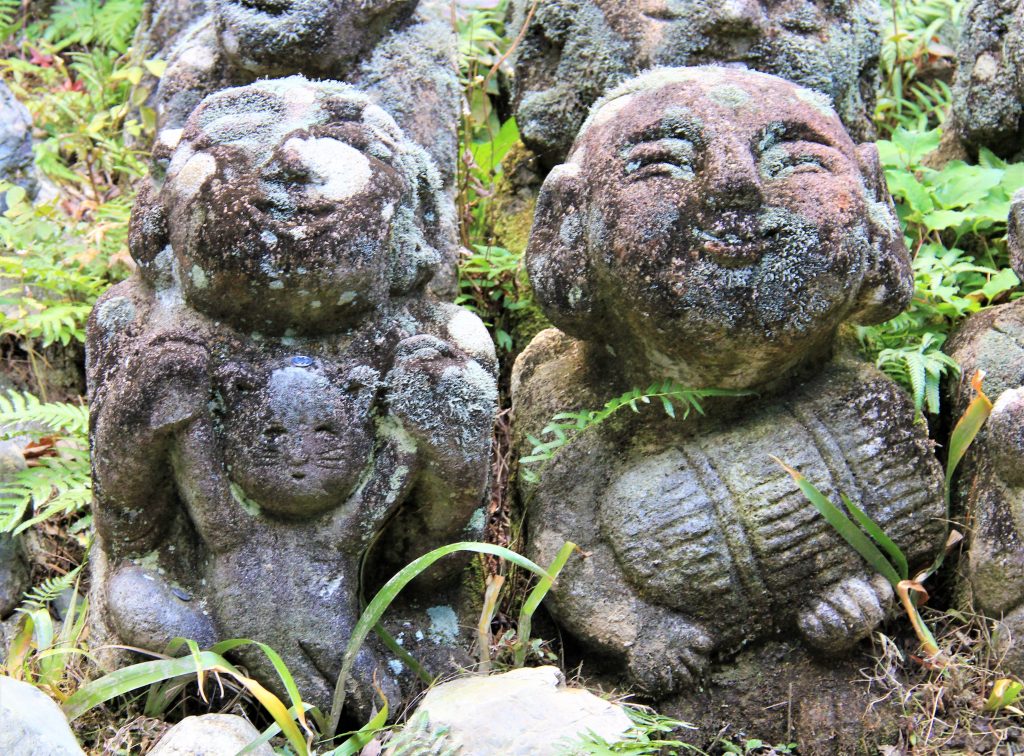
31	723
210	735
527	711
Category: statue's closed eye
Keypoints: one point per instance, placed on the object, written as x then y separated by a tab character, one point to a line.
671	157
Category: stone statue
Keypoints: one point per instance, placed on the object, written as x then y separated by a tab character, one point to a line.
16	166
575	50
988	91
274	392
989	492
400	52
715	227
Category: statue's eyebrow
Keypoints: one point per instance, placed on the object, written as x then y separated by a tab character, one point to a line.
671	127
793	131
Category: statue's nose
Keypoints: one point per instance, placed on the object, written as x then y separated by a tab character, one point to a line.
737	17
731	177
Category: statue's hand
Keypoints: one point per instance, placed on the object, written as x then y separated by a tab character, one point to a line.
442	397
171	382
669	655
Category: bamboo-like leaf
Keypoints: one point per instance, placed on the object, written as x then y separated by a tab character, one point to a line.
376	608
279	666
844	526
1005	692
967	429
362	736
122	681
896	554
533	601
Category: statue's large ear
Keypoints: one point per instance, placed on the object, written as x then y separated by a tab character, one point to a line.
557	255
888	281
147	230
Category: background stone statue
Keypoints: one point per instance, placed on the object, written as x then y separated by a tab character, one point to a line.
16	160
402	53
988	91
989	493
273	392
715	226
575	50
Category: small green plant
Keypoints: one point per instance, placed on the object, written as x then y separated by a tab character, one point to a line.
166	677
566	426
918	42
40	654
492	283
57	481
754	746
955	223
651	733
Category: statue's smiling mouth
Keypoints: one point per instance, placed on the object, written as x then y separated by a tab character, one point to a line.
731	247
270	7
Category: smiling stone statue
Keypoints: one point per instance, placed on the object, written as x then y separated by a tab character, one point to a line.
715	227
573	51
274	390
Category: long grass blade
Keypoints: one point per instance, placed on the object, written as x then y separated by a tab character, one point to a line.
966	430
844	526
376	608
362	736
896	555
537	595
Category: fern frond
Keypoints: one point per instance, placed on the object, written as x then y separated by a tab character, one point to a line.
21	412
44	593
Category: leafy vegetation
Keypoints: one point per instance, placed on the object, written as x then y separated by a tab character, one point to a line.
86	90
565	426
954	220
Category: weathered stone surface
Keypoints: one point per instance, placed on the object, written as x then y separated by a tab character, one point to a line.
519	713
15	144
988	91
989	490
31	723
716	226
210	735
401	53
274	393
14	571
576	50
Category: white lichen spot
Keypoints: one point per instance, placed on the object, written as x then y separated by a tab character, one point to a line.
315	304
276	284
419	635
337	170
816	100
469	334
444	624
187	181
169	138
268	238
116	314
198	277
729	96
477	521
199	57
396	666
347	297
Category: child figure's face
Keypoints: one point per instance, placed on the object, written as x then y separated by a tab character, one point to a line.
728	222
282	203
287	36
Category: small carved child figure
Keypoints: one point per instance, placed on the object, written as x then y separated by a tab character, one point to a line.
273	387
989	492
573	51
715	226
